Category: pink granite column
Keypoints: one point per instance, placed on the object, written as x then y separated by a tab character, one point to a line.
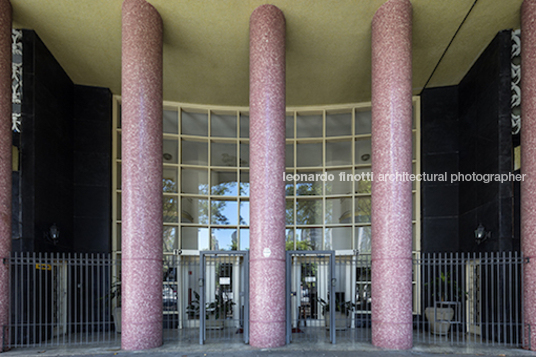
142	176
391	154
528	166
267	164
5	158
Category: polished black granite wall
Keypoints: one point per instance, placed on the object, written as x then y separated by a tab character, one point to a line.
466	128
65	150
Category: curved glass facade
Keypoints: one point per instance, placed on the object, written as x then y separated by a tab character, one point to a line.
206	178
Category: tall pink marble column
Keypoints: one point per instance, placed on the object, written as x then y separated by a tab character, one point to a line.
528	166
267	164
142	176
5	158
391	154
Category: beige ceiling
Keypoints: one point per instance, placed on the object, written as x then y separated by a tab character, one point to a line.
206	44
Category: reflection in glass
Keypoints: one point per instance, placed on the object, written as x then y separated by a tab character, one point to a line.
338	153
338	238
362	209
289	184
339	124
363	122
170	208
363	184
339	185
194	123
363	238
309	239
195	238
363	151
309	154
244	155
170	151
169	180
223	154
309	126
171	122
169	239
289	132
308	185
244	126
244	239
194	181
244	183
244	213
224	212
289	212
194	210
224	239
119	143
289	239
309	211
336	208
194	152
289	155
223	183
223	125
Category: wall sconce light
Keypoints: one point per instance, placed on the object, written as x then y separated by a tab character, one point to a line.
53	234
480	234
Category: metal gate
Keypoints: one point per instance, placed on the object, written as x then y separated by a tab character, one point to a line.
224	296
310	282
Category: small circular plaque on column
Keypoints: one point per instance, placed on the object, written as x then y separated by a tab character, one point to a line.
266	252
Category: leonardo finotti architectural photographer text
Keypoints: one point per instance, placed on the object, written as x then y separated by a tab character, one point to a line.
405	177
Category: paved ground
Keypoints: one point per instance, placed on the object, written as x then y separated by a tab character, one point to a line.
293	350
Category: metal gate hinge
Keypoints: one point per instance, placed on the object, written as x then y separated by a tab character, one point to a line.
526	260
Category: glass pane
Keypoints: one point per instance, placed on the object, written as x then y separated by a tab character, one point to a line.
362	210
363	151
309	155
224	239
244	155
338	238
194	123
119	206
171	121
363	180
339	124
194	210
170	151
195	238
289	183
289	132
414	143
244	239
170	207
339	153
223	154
119	115
309	183
194	181
362	237
337	209
309	126
341	183
223	125
289	155
244	183
309	239
244	213
244	126
170	180
194	152
170	239
119	177
224	212
289	240
363	121
289	212
223	183
309	211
